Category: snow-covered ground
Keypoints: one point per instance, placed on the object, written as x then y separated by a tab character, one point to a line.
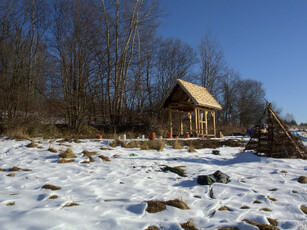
113	195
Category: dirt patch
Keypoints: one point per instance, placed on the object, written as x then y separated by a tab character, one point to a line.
51	187
104	158
67	154
261	226
283	171
189	225
64	161
155	206
177	204
302	180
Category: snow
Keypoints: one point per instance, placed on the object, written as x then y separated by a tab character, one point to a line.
113	195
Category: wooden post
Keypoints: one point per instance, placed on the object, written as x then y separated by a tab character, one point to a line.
181	125
170	121
190	120
206	120
213	119
196	121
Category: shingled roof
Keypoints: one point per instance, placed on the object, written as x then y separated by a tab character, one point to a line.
197	95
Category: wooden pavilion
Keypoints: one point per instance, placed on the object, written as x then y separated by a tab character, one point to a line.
194	101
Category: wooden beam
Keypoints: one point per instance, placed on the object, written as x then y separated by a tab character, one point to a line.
206	120
181	125
196	121
170	121
213	119
190	121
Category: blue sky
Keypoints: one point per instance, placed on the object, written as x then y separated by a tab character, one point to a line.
264	40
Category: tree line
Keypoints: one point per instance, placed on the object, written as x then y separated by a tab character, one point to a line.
103	62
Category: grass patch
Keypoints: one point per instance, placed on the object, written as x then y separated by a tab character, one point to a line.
104	158
224	208
160	145
71	204
189	225
244	207
32	145
294	191
10	203
273	222
11	174
304	209
14	169
302	180
261	226
155	206
177	145
192	149
51	187
26	170
271	198
116	156
87	153
53	197
265	209
52	149
177	204
64	161
283	171
104	148
257	202
152	227
85	162
68	153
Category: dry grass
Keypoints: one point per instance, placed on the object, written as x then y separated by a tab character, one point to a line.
302	180
189	225
52	149
224	208
32	145
104	158
89	153
283	171
160	145
177	204
85	162
261	226
265	209
273	222
68	153
304	209
64	161
14	169
11	174
271	198
244	207
177	145
192	149
51	187
155	206
91	159
71	204
103	148
257	202
133	144
152	227
10	203
53	197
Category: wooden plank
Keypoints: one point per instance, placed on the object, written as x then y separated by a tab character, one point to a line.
181	125
170	121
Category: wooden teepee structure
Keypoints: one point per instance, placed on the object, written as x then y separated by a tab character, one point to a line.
275	140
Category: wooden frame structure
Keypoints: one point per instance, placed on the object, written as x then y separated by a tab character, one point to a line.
197	103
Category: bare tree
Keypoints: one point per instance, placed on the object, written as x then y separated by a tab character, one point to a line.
212	63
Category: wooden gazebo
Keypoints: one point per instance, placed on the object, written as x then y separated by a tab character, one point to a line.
194	101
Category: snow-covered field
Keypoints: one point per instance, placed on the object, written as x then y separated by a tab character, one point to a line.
113	195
